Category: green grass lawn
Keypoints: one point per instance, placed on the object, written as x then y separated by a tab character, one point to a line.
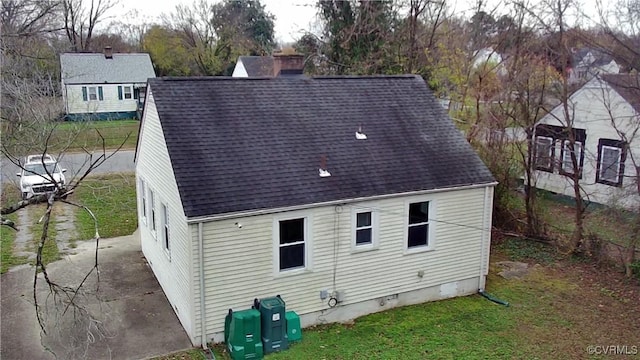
556	312
112	199
50	251
10	194
79	135
72	137
611	225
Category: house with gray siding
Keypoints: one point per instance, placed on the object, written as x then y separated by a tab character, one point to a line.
604	125
106	86
345	195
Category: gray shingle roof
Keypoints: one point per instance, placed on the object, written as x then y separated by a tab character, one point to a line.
627	85
257	65
239	144
94	68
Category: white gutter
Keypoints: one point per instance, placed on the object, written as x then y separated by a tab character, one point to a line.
240	214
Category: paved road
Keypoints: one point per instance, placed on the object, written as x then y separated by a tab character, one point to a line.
122	161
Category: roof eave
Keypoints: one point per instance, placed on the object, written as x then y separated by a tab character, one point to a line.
241	214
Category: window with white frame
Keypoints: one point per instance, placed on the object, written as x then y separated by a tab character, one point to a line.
364	228
544	153
93	93
291	243
165	223
567	163
152	207
610	166
143	205
127	92
418	232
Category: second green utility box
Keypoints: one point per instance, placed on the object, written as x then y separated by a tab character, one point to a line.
274	326
242	334
294	333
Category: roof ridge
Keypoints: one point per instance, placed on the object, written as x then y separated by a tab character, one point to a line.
277	78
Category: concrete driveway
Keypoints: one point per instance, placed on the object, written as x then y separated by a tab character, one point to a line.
130	315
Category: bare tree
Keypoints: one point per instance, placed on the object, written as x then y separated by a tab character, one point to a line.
627	126
80	18
552	16
30	109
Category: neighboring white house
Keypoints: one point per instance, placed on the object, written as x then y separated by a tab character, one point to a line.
104	86
253	66
281	63
344	195
606	124
588	63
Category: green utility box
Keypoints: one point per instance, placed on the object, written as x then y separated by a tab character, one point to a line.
294	333
274	326
242	334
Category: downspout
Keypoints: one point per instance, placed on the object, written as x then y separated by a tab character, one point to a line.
482	278
203	330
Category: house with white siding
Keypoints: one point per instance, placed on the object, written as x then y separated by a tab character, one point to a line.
253	66
104	86
604	124
343	195
587	63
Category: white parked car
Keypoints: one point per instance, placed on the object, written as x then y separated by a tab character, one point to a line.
39	175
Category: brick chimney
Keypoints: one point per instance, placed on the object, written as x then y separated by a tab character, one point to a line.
288	62
108	52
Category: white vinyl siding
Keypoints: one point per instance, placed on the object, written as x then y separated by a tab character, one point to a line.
461	236
173	272
110	102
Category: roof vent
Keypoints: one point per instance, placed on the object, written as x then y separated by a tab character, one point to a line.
360	135
108	52
323	172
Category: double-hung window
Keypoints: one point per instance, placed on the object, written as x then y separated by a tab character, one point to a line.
93	94
567	162
165	223
364	229
292	234
152	206
544	153
127	92
143	204
611	157
419	223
